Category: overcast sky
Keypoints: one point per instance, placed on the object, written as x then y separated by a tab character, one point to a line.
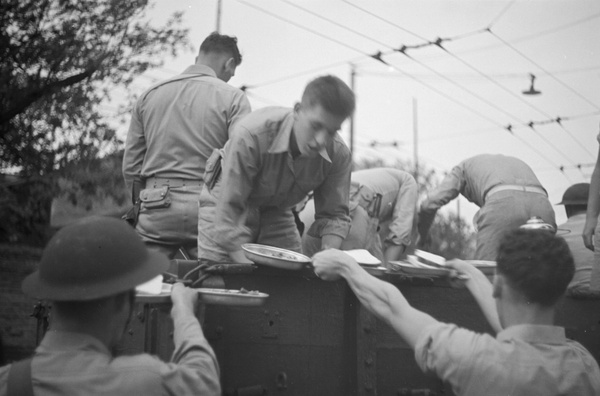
464	93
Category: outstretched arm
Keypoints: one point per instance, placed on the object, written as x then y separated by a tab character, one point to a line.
593	207
481	289
381	298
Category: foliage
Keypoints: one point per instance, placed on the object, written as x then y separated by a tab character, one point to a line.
24	208
450	236
61	59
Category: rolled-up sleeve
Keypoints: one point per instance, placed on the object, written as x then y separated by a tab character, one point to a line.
135	149
240	168
403	217
331	199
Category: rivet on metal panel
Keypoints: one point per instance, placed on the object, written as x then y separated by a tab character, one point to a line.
369	362
140	316
281	380
130	331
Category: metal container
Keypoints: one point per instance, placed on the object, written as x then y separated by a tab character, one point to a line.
536	223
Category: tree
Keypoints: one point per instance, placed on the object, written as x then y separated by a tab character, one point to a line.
60	62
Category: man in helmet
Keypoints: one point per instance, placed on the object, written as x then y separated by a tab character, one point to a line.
575	200
89	271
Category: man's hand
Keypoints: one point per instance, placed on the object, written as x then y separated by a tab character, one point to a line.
588	233
184	298
331	263
459	268
239	257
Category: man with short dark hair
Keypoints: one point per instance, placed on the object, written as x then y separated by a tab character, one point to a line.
528	356
575	200
274	159
89	271
174	128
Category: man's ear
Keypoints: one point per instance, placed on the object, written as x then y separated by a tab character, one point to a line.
297	107
230	63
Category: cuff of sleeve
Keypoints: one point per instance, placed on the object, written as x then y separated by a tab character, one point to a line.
329	227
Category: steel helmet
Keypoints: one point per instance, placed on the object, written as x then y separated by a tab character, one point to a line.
93	258
577	194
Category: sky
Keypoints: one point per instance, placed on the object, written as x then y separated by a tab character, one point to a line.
455	99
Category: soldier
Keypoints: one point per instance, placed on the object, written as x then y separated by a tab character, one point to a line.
89	271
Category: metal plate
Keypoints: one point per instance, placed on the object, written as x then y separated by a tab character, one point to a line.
232	297
275	257
375	271
409	269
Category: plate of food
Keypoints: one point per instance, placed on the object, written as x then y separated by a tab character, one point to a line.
241	297
275	257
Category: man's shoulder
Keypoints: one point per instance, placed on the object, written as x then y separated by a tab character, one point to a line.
265	120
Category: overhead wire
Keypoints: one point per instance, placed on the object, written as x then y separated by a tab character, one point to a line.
518	97
378	56
439	40
545	71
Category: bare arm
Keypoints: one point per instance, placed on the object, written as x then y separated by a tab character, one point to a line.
481	289
381	298
593	207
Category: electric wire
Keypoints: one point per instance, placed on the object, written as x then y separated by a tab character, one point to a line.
301	27
497	18
545	71
333	22
502	87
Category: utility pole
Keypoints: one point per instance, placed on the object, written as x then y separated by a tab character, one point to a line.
218	29
352	77
415	138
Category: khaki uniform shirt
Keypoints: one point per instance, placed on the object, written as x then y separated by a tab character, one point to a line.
177	123
259	172
78	364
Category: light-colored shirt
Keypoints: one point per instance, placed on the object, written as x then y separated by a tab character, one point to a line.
177	123
475	176
259	172
78	364
522	360
399	193
583	257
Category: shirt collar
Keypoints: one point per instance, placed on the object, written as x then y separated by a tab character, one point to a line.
533	334
200	69
281	143
66	340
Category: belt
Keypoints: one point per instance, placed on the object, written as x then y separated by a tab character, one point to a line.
514	187
173	182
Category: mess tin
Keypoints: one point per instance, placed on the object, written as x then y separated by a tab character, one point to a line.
275	257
